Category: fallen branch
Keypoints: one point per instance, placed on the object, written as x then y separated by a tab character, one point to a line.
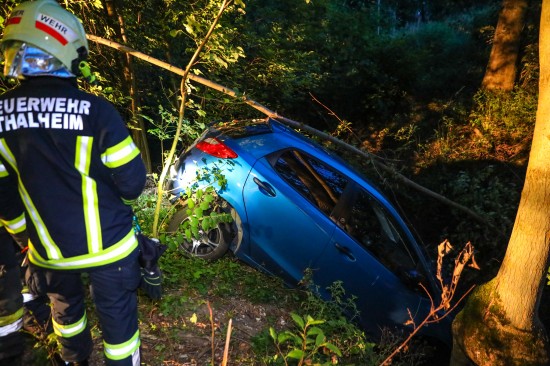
292	123
227	341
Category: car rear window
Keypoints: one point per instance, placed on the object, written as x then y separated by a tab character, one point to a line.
244	128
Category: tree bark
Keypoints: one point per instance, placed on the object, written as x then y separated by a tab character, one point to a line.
138	129
499	324
502	67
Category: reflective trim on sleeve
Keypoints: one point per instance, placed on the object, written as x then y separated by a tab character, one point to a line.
3	171
122	350
17	225
128	202
110	255
89	194
120	154
27	297
47	241
10	319
11	328
70	330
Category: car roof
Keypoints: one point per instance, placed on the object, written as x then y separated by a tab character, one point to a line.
261	137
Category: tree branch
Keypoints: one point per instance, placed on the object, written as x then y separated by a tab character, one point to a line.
292	123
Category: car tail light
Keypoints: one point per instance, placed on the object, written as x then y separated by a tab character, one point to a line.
215	147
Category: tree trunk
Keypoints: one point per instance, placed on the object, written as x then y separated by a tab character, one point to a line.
137	125
502	67
499	324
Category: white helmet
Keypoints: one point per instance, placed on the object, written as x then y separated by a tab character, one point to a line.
42	38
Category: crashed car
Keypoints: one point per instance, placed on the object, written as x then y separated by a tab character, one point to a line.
297	207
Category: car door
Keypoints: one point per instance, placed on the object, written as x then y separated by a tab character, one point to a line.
371	257
288	202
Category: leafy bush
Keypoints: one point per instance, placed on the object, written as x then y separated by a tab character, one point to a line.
505	118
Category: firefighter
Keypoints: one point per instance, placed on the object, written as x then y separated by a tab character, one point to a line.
19	308
11	303
77	171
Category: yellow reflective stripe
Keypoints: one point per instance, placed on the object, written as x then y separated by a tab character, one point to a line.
122	350
89	194
120	154
3	171
70	330
15	226
50	246
12	318
112	254
128	202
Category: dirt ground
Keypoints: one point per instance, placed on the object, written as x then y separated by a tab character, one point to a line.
190	338
199	342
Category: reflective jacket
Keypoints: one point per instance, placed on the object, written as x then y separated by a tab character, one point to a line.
77	171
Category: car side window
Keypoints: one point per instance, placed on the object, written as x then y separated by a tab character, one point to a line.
315	180
371	225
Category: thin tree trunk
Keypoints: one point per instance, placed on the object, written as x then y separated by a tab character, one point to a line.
502	67
138	129
499	324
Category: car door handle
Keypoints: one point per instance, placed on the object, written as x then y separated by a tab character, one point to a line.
345	250
265	187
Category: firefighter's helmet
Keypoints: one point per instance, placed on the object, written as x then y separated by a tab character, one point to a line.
42	38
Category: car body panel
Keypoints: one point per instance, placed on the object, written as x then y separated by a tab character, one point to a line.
287	253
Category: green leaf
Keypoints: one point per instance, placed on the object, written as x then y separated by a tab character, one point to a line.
283	337
198	212
314	322
207	224
272	333
320	339
174	33
190	203
296	354
314	331
333	349
205	205
298	320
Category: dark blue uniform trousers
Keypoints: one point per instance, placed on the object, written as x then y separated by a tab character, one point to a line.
114	293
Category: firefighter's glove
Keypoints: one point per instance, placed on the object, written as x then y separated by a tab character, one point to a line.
36	280
151	282
150	250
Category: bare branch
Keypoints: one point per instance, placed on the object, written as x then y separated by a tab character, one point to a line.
447	293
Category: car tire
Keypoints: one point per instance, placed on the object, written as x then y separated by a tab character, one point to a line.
211	245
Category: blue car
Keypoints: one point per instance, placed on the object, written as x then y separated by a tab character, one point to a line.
299	208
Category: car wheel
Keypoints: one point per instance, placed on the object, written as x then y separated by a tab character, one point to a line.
210	245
